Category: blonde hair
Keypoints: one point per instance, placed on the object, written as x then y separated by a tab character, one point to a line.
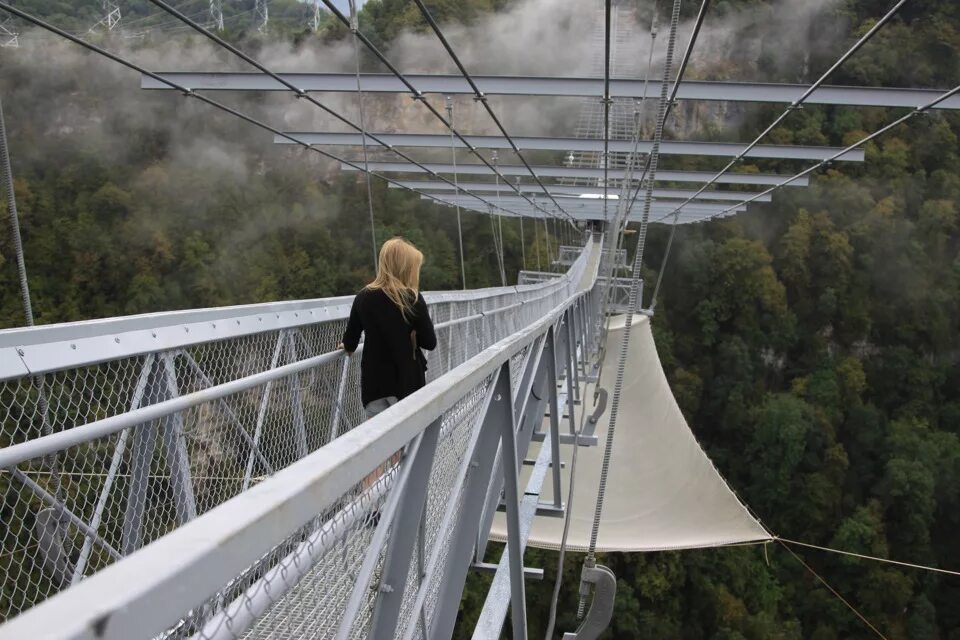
398	274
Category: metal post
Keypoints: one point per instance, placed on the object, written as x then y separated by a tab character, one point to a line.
450	340
299	425
341	386
115	461
463	538
511	467
176	450
262	410
572	369
141	459
551	355
403	540
388	511
530	402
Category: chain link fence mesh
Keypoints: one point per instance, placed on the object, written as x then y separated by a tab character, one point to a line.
71	514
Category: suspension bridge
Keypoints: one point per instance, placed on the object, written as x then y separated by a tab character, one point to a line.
209	474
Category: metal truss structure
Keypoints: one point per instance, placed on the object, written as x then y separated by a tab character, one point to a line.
132	402
225	446
536	86
111	16
9	36
215	20
261	15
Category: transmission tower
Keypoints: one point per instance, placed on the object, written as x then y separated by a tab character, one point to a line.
315	23
261	15
9	37
111	15
216	15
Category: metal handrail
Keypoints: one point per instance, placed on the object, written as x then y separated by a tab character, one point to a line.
198	558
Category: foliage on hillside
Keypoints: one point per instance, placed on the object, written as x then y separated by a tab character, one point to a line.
812	343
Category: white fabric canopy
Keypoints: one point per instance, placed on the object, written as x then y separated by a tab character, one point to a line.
663	492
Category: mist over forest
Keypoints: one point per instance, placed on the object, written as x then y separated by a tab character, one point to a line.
812	342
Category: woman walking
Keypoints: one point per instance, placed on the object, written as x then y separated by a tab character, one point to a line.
393	316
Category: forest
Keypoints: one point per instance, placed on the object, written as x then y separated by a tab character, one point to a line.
812	342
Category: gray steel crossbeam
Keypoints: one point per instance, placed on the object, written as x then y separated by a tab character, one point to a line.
535	143
597	214
546	171
553	86
586	204
505	581
567	190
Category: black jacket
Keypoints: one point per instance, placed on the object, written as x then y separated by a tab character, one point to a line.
392	364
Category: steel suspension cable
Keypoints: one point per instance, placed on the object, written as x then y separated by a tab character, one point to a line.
523	247
851	554
920	110
616	231
498	248
606	107
681	70
52	461
794	106
418	95
355	21
634	285
456	185
189	93
482	99
300	93
15	222
832	590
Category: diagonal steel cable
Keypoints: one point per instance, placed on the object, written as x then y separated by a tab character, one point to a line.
795	105
189	93
418	95
634	286
480	97
826	162
363	140
300	93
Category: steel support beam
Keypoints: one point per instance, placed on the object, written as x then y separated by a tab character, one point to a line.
573	205
481	464
552	171
530	143
562	190
175	450
403	538
554	87
598	215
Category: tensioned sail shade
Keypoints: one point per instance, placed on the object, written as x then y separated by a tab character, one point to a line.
663	492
